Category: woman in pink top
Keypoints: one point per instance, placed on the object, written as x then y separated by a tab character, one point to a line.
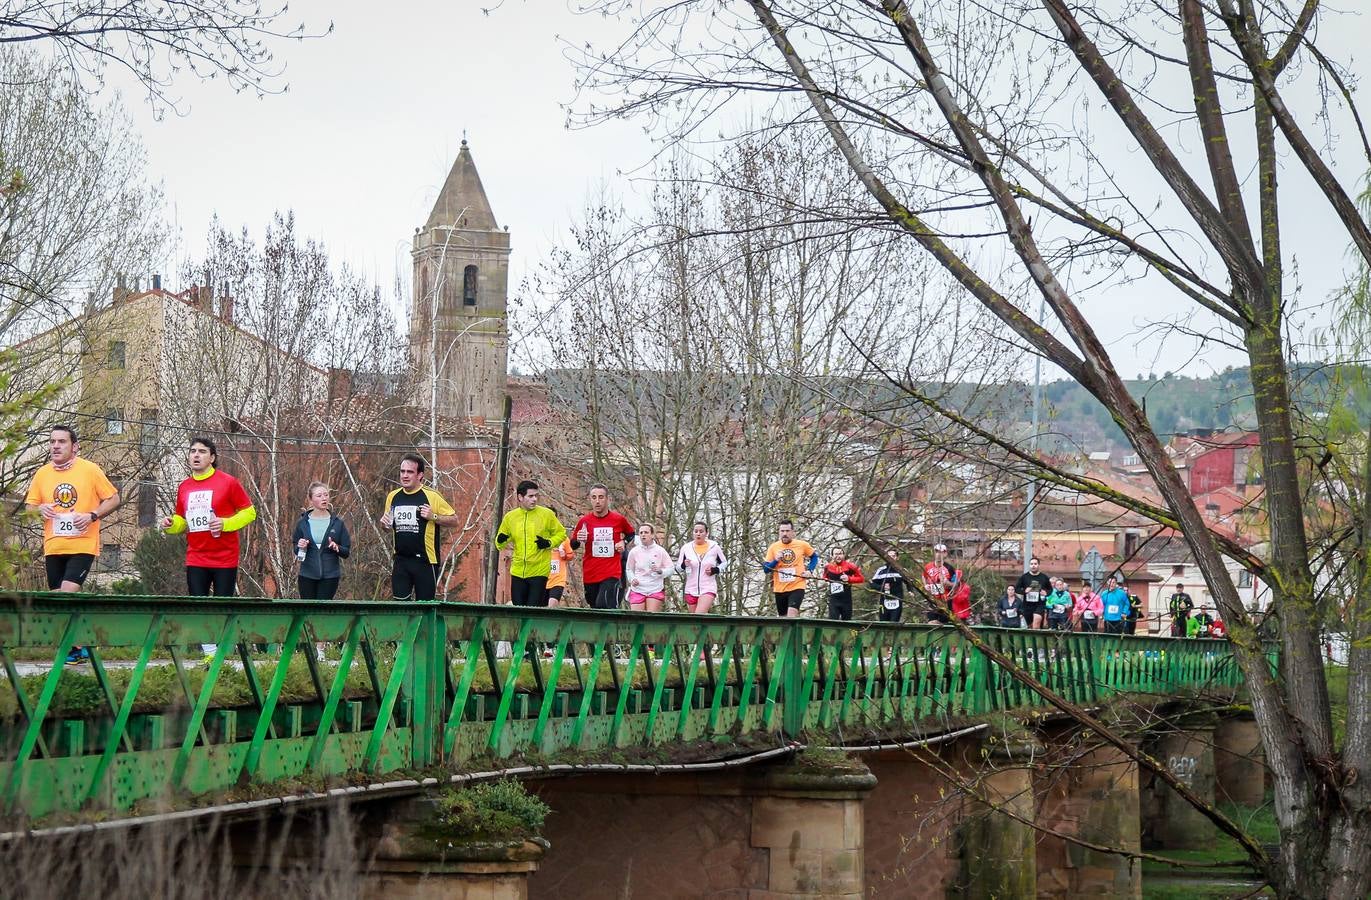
648	565
701	561
1087	609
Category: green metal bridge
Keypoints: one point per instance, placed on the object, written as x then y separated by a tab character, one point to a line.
419	687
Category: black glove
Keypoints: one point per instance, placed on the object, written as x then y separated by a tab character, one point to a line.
575	544
501	538
542	543
711	570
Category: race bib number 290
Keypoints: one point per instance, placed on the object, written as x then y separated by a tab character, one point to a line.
406	516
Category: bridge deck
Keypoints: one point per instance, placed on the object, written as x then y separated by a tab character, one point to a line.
415	686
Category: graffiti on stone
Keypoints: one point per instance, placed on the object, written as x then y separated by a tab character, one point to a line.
1183	767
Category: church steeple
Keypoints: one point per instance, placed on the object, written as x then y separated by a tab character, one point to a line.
458	335
462	202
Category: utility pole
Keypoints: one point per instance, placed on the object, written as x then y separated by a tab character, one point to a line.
501	474
1032	493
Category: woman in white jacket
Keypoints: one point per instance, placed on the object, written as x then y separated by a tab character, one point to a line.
648	565
701	560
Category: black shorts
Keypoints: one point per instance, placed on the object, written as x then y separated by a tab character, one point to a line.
201	579
553	593
788	600
1056	620
840	607
73	567
413	576
528	591
932	614
603	594
1030	610
316	588
1114	627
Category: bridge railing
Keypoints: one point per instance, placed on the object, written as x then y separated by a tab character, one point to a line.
294	692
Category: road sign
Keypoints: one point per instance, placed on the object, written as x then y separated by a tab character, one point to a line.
1092	569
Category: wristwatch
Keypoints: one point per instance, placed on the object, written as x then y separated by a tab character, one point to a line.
95	515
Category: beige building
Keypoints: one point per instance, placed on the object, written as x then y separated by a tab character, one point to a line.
141	375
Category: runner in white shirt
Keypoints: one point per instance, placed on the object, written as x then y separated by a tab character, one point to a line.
648	565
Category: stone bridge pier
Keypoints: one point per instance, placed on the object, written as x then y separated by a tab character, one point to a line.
979	814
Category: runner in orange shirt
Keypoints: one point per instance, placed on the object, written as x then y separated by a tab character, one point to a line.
783	560
72	495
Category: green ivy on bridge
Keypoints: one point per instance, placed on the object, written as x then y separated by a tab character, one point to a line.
412	686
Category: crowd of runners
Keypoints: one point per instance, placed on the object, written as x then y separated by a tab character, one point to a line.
620	563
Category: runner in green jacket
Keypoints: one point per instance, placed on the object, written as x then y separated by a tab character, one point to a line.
532	531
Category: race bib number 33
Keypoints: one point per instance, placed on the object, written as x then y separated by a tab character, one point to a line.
602	542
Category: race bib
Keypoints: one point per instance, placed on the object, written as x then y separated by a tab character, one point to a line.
1112	609
1089	614
891	602
1031	596
1011	613
556	566
64	525
935	589
836	587
602	543
405	516
785	576
199	510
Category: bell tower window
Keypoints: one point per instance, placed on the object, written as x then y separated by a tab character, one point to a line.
469	286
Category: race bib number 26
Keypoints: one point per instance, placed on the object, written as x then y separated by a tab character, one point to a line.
64	525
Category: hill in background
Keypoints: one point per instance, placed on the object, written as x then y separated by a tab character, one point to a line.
1176	404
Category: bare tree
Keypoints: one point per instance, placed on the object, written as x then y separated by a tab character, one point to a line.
704	353
1037	153
295	363
76	207
158	42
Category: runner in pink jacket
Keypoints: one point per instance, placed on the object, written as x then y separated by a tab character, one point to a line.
1088	609
701	560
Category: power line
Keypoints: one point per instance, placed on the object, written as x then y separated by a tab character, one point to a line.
239	435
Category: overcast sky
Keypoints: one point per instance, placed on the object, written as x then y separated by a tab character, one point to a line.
375	114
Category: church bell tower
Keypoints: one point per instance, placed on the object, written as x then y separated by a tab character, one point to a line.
458	330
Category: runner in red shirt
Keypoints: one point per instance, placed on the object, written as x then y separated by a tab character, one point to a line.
939	584
605	534
211	506
841	573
